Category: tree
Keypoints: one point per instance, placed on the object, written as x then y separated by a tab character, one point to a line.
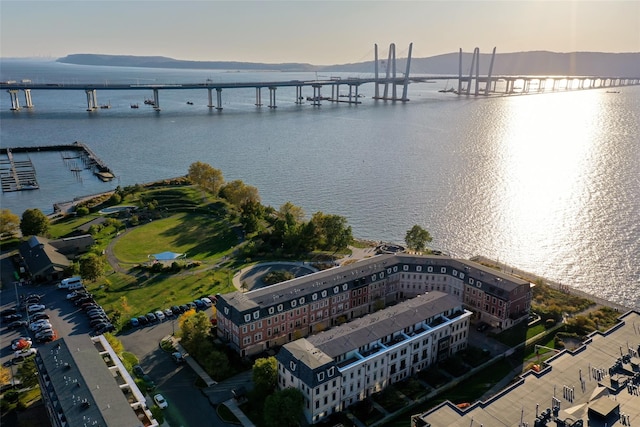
265	375
9	223
332	231
5	375
238	193
92	266
417	238
34	223
27	373
284	408
296	212
194	328
207	177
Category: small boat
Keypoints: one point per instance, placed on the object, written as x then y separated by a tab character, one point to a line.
106	106
149	102
104	175
135	106
189	103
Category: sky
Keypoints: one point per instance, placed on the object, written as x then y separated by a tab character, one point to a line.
316	32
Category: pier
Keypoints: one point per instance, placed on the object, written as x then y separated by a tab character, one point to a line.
21	175
17	175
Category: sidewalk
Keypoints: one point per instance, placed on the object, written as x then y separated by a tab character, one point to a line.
233	407
192	363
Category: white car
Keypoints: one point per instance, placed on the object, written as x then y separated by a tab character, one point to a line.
40	325
160	315
207	302
23	354
35	307
45	331
160	401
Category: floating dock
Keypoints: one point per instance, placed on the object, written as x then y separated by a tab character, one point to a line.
21	175
17	175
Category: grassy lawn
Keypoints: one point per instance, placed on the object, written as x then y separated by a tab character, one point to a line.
199	236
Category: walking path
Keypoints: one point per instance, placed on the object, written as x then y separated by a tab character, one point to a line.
191	362
233	407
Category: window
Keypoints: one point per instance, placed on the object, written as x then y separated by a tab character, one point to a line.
324	294
443	269
419	268
301	300
320	376
271	310
345	287
247	318
256	314
280	307
293	303
405	268
314	297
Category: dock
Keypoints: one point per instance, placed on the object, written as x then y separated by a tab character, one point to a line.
17	175
21	175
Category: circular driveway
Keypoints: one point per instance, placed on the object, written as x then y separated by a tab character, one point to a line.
252	276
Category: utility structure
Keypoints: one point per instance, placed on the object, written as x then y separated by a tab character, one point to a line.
464	83
391	78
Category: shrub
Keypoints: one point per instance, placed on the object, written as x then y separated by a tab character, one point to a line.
549	323
82	211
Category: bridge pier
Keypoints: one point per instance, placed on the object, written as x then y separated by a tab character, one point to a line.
210	104
391	76
92	99
272	97
15	103
156	100
258	97
219	99
27	98
299	97
317	97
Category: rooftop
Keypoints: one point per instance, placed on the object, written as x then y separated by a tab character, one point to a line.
588	383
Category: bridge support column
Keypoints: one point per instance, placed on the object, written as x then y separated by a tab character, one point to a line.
376	94
219	99
405	84
317	97
272	97
210	94
27	98
299	97
258	97
92	99
15	103
156	100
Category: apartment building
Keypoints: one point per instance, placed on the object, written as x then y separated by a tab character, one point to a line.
252	322
343	365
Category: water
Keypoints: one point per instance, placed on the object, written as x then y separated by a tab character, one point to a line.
547	183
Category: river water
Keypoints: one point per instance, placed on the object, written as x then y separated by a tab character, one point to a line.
547	183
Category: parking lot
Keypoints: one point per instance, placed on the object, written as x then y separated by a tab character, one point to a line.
188	405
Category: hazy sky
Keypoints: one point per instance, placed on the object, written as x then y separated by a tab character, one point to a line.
316	32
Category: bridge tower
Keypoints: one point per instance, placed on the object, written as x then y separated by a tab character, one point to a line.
464	83
391	78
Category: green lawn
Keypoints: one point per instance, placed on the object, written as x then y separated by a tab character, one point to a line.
199	236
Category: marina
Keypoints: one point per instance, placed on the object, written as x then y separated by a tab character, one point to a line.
20	175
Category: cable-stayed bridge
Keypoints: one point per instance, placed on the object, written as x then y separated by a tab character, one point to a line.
391	84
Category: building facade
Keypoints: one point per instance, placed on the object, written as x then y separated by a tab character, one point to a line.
255	321
344	365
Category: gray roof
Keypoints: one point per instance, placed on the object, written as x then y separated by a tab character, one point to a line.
534	391
307	353
78	374
369	328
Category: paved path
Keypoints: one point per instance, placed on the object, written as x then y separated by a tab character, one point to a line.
233	407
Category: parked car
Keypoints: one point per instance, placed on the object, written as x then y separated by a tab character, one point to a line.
175	310
46	338
12	317
482	327
35	307
143	320
20	343
100	325
106	328
35	327
177	357
44	332
134	322
160	401
95	311
39	316
151	317
168	312
23	354
159	315
183	308
191	306
207	302
8	311
199	304
138	371
97	321
149	382
17	324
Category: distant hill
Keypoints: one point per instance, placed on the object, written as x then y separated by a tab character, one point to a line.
519	63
